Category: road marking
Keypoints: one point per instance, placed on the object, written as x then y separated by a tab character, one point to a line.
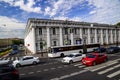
65	65
77	64
52	68
114	74
4	58
81	66
30	72
70	75
12	58
22	74
45	70
109	69
8	58
38	71
16	58
109	64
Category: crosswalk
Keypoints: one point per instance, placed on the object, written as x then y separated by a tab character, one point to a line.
9	58
110	69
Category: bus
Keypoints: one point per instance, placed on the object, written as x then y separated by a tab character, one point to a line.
66	50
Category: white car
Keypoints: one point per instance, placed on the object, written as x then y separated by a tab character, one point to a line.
26	60
73	57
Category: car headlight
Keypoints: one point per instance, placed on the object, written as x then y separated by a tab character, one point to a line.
88	61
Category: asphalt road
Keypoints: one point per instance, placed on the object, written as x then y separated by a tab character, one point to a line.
53	69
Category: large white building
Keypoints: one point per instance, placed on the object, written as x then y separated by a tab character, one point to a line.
44	33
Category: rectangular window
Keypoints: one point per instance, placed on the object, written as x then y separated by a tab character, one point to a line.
54	31
54	43
66	30
40	31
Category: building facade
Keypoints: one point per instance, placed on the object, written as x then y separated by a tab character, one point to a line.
44	33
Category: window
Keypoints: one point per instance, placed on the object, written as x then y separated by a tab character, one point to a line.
66	30
40	31
75	30
54	31
54	43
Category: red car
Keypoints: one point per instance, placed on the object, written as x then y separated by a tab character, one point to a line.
93	59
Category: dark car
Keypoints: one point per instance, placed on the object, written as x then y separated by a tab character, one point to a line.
113	49
8	71
100	50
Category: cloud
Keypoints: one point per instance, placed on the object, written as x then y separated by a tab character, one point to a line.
10	27
29	6
61	7
105	11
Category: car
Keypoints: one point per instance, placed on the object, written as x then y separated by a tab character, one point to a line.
114	49
26	60
94	58
100	50
8	71
73	57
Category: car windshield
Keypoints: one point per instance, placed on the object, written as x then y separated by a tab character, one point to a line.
91	56
71	55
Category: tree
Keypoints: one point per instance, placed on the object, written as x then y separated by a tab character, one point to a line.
118	24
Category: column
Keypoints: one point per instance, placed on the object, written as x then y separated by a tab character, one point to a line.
111	36
81	35
119	35
34	41
48	37
115	36
72	39
96	36
101	37
106	36
88	36
61	36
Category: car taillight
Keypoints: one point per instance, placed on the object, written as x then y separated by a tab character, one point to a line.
15	72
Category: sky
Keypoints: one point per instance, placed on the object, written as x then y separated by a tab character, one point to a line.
15	13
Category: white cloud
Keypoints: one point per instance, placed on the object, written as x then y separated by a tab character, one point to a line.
61	7
92	12
10	27
105	11
26	7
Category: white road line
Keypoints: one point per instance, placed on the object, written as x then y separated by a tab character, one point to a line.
70	75
59	67
12	58
30	72
45	70
52	68
109	69
38	71
103	66
8	58
77	64
81	66
22	74
114	74
65	65
16	58
4	58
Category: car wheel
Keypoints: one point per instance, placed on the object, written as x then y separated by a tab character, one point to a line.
70	62
105	60
18	65
34	62
94	63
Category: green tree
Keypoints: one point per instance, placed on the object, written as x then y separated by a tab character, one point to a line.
16	42
118	24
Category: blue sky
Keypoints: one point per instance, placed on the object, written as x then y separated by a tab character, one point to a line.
15	13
